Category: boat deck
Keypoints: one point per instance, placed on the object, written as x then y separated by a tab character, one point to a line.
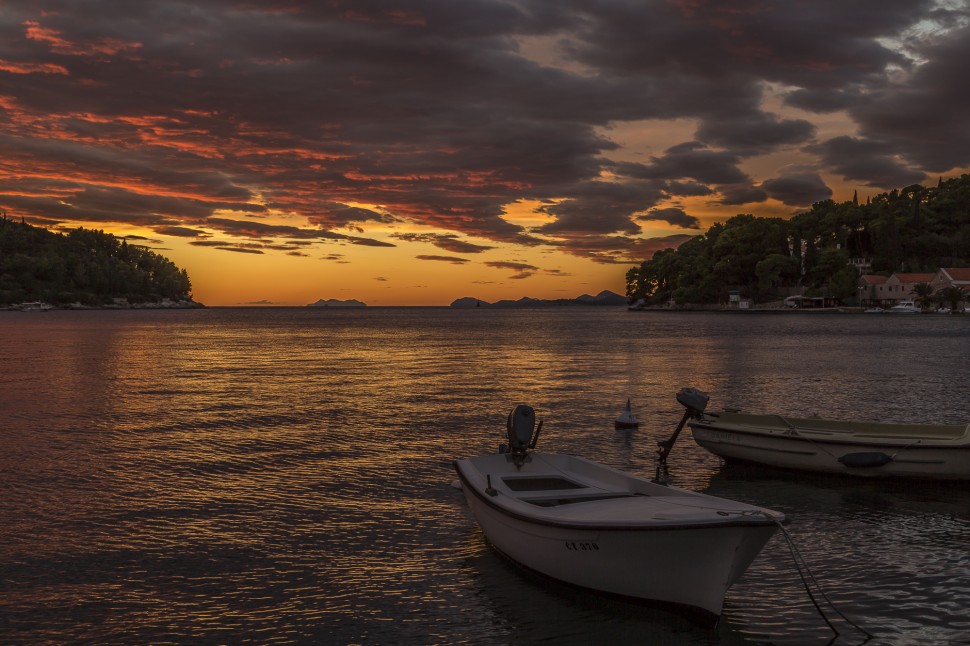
572	491
819	426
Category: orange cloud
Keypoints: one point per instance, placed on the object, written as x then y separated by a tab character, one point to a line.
32	68
60	45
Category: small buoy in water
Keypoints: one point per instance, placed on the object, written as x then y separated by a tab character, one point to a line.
626	418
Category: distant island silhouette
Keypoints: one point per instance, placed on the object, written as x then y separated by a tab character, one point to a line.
605	297
333	302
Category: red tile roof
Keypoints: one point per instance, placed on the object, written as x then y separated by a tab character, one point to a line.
874	279
914	278
958	273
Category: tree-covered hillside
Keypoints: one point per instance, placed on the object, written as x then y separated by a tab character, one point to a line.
83	266
916	229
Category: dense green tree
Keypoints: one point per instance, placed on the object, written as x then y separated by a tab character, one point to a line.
923	294
951	297
916	228
90	267
777	270
842	283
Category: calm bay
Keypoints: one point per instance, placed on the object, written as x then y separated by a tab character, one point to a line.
283	475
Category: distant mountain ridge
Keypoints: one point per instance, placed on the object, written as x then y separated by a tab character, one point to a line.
333	302
605	297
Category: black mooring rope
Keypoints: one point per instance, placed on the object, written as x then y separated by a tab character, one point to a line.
800	562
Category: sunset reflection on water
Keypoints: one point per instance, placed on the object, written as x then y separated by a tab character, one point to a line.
283	475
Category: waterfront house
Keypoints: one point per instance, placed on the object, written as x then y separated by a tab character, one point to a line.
875	290
899	287
869	285
952	277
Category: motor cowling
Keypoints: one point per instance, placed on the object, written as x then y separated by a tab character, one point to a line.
520	428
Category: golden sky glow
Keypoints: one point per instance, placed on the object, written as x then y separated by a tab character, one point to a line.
416	155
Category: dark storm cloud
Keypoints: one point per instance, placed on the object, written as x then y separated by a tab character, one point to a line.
261	230
691	160
869	161
520	266
754	132
249	228
620	250
522	270
925	119
368	242
687	189
448	242
797	188
821	100
179	232
673	216
241	249
337	214
228	246
738	194
600	207
452	259
342	114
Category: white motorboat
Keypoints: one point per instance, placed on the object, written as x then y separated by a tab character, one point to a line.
595	527
627	419
905	307
36	306
870	449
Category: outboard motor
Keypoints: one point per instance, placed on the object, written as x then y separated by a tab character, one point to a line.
695	402
522	432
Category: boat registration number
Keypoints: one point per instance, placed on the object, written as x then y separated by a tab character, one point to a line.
584	546
723	436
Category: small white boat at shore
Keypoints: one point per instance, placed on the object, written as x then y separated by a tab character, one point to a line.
595	527
869	449
627	419
35	306
904	307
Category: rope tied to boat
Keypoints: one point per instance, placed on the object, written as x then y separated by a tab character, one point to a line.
801	565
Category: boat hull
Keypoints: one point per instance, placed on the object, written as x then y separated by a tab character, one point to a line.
852	449
688	566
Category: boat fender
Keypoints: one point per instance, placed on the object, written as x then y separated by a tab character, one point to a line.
865	460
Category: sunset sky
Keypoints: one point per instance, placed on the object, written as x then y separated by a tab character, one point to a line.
412	153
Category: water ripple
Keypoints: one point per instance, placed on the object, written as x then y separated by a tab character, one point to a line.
282	476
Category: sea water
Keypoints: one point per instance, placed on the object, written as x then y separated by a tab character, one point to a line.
283	475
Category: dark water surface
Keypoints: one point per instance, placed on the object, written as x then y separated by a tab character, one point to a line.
283	475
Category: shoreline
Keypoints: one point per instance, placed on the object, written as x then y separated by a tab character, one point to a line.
40	306
780	310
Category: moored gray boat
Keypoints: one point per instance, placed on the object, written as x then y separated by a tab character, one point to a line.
867	449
